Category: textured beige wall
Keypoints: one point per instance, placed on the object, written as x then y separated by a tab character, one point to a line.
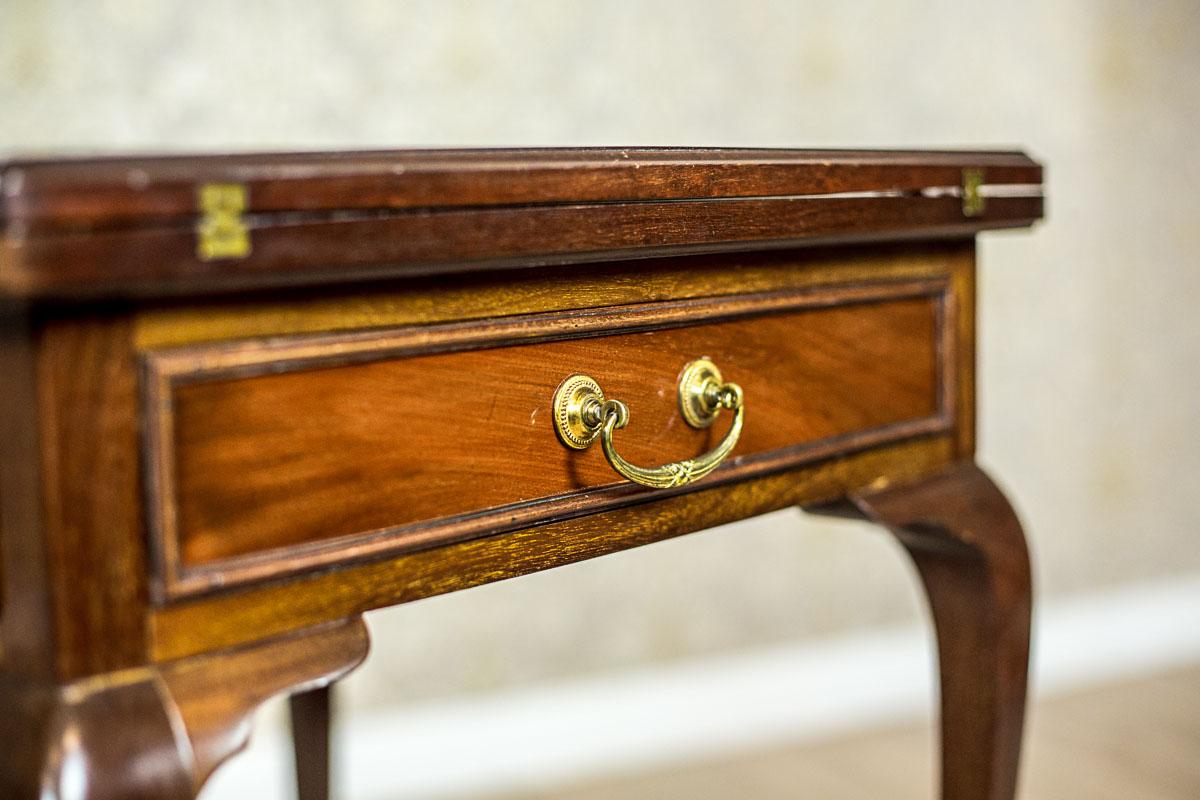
1090	344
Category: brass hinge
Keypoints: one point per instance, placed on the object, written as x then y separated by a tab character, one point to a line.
222	231
973	201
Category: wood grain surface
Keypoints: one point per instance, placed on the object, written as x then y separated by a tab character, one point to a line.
484	295
195	625
92	513
387	448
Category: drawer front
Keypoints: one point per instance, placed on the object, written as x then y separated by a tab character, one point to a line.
275	456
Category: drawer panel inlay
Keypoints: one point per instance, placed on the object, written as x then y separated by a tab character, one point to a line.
270	456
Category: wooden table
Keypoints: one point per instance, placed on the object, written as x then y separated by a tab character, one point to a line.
248	398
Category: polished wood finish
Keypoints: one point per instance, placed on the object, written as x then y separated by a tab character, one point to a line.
382	449
194	625
158	731
92	504
73	547
203	488
114	191
969	549
355	216
217	693
28	643
496	294
163	261
105	738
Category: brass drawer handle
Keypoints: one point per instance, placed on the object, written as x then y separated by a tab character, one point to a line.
582	413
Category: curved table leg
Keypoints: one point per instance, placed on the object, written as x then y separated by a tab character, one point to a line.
969	549
158	732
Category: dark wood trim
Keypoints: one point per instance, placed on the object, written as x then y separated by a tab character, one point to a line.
163	370
117	192
163	261
120	227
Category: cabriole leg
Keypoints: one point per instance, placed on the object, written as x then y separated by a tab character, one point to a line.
157	732
970	552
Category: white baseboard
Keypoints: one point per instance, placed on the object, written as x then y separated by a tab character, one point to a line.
535	738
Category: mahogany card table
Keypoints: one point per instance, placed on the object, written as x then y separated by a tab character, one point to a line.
248	398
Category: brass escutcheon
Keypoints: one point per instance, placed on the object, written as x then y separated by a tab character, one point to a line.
582	414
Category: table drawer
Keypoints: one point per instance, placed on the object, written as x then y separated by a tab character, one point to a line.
268	457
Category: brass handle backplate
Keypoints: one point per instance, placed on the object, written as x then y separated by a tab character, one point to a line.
582	414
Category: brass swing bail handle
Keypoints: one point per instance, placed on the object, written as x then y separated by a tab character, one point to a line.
582	414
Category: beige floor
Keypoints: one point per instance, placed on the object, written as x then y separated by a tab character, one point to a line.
1132	741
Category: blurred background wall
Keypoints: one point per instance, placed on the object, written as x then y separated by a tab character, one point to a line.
1090	344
